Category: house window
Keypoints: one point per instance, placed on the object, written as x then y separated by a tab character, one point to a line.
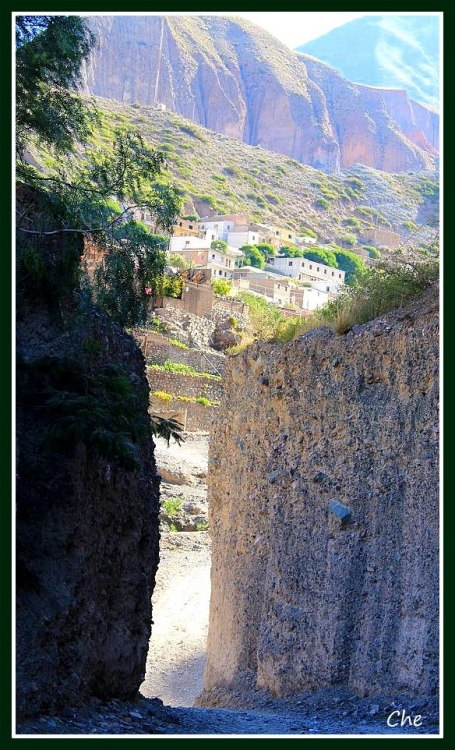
187	242
327	289
311	266
190	226
277	233
339	275
290	263
289	236
325	270
213	256
317	268
333	273
220	273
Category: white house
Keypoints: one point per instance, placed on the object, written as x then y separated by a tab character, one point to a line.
303	269
309	298
199	252
187	242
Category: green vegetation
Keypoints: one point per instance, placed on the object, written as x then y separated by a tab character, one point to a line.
172	506
157	325
50	51
373	252
163	395
374	214
194	131
348	239
307	232
176	342
203	400
253	256
75	196
391	284
222	287
183	369
219	245
322	255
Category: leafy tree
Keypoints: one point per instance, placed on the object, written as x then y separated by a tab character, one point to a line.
265	318
253	256
130	273
219	245
286	251
321	255
266	249
179	261
223	287
49	54
351	264
80	191
168	285
92	194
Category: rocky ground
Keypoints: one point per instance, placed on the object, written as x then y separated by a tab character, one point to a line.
174	675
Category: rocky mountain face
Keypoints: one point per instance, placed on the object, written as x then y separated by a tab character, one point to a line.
87	527
323	512
391	51
236	79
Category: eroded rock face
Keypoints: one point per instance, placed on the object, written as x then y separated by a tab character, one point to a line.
238	80
87	532
323	511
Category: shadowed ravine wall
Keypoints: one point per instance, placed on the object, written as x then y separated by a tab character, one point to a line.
324	499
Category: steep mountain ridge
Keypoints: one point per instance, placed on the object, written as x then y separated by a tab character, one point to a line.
221	175
392	51
238	80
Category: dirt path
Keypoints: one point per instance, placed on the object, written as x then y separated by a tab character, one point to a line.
176	656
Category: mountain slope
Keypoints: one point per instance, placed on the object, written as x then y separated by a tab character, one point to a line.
236	79
220	175
398	52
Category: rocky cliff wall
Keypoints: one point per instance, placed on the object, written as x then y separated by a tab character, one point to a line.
324	499
236	79
86	529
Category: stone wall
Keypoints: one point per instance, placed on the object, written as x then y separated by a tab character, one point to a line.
158	350
324	499
185	385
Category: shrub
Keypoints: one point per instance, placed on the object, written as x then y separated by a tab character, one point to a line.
163	395
172	506
204	401
222	287
176	342
389	285
373	252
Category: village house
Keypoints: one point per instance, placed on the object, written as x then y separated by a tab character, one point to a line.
200	255
237	230
325	278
